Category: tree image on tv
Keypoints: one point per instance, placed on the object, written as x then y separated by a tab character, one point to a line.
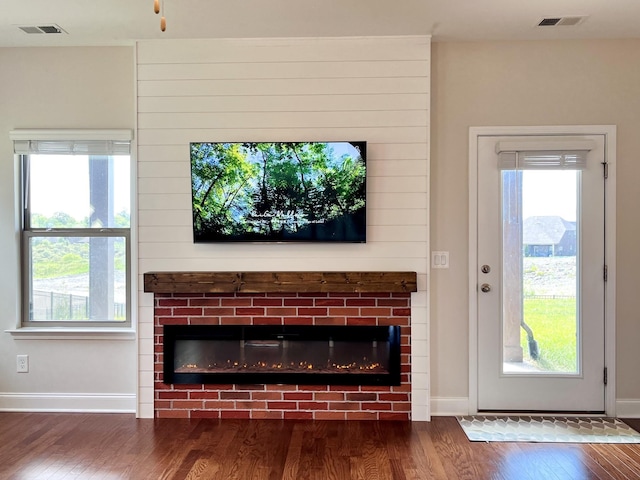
306	191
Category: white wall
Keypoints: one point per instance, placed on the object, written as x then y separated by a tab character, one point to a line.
489	83
528	83
369	89
385	92
59	88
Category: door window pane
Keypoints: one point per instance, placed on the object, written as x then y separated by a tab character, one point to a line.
540	271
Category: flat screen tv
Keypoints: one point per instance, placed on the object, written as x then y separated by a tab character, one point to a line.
279	191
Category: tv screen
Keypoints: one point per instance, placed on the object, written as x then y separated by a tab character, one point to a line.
279	191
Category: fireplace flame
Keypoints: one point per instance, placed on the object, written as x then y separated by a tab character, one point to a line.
365	366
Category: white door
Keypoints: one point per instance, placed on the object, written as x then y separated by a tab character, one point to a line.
541	273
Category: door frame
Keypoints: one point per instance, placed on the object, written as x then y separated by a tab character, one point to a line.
609	132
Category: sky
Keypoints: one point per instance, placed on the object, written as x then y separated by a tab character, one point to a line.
549	193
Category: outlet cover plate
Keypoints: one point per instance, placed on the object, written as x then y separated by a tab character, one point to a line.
440	259
22	363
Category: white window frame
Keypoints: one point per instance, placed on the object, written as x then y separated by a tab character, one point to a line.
68	142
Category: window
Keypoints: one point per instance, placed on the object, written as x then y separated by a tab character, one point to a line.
75	212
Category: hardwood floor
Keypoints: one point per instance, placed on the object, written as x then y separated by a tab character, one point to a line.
114	446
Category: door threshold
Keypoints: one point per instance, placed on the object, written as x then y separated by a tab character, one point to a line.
527	413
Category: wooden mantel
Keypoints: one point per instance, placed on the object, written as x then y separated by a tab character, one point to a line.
279	282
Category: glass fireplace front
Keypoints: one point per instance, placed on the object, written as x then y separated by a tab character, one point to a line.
295	354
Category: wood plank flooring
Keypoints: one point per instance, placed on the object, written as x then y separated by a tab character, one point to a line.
114	446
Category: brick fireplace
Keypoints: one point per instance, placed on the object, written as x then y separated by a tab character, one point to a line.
278	298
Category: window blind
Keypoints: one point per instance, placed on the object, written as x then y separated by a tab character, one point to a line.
542	160
544	155
72	142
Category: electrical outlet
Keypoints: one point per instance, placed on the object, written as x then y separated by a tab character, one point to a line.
22	363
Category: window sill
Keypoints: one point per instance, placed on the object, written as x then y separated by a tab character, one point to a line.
71	333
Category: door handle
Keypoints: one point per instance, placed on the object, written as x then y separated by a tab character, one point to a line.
485	287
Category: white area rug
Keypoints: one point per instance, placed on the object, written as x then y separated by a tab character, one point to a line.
547	429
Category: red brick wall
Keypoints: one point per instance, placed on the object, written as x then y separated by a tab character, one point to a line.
316	402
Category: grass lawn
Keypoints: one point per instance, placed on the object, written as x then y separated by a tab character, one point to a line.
553	322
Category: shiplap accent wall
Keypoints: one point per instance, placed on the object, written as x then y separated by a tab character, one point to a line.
371	89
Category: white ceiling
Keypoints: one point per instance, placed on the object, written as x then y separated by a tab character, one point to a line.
116	22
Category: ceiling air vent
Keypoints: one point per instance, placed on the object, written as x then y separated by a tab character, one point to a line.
52	28
548	22
560	21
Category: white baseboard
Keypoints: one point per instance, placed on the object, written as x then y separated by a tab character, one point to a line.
68	402
628	408
449	406
126	403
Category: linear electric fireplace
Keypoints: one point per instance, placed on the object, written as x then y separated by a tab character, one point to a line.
282	354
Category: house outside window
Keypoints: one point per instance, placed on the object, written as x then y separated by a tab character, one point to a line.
76	225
